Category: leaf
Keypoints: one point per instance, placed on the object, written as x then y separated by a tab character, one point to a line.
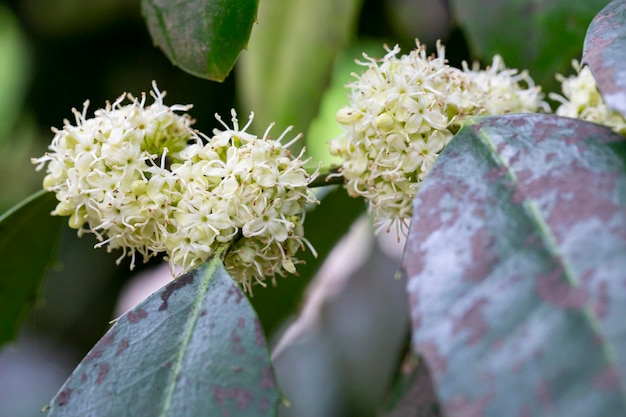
282	76
516	269
605	53
14	70
349	336
28	240
542	37
324	226
202	37
193	348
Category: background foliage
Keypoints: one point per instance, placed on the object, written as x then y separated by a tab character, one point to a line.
341	356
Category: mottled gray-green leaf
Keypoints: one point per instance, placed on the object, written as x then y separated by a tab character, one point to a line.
28	240
541	36
193	348
517	269
605	53
202	37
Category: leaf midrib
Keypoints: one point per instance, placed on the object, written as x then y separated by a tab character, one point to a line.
551	245
191	324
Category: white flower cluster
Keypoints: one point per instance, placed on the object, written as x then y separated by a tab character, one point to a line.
242	189
501	90
582	100
143	181
109	171
399	117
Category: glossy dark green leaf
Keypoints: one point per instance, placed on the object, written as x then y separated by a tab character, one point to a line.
193	348
324	226
605	53
517	269
542	37
283	74
28	240
202	37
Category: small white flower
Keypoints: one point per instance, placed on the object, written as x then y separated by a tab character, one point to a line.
501	90
581	99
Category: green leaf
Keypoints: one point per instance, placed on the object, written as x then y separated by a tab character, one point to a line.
193	348
28	240
283	75
516	269
605	53
324	226
542	37
14	70
202	37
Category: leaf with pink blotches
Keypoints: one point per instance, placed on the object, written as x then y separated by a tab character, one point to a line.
516	260
195	347
605	53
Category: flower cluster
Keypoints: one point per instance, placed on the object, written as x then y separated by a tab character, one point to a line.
140	179
241	188
399	117
581	99
108	171
501	90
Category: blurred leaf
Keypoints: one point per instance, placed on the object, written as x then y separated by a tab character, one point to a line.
14	70
292	49
79	291
542	37
18	178
28	239
202	37
516	265
193	347
338	358
324	226
605	53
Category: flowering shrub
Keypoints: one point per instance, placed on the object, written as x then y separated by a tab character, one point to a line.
514	228
145	182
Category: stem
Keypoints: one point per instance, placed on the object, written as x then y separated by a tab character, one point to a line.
327	176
